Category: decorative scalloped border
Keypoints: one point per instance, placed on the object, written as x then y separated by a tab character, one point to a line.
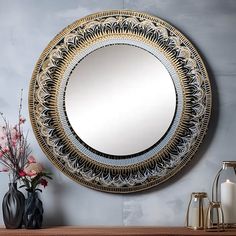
46	80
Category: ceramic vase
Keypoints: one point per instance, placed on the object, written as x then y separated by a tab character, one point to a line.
13	207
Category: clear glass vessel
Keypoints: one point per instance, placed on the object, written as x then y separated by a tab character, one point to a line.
221	212
214	217
197	210
227	192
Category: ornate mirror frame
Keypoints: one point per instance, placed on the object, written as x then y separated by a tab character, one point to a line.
62	145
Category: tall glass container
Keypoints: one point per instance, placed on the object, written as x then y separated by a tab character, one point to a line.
228	192
221	212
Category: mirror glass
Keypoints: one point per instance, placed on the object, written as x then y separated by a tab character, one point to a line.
120	100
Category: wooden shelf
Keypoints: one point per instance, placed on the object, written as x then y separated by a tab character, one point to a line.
113	231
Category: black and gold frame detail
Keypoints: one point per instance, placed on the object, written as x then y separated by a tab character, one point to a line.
64	146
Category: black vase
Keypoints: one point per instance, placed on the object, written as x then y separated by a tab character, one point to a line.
13	207
33	215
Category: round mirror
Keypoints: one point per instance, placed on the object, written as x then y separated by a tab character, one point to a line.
120	100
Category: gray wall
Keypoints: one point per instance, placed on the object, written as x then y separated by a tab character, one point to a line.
27	26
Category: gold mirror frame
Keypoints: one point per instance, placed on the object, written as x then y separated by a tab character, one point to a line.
64	148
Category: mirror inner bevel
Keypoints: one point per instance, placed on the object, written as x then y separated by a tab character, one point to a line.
116	160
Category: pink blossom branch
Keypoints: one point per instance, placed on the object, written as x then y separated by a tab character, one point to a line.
8	136
16	150
5	164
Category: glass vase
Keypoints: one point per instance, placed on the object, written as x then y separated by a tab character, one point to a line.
33	215
196	210
227	192
13	207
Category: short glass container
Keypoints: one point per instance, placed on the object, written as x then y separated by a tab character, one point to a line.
214	217
196	212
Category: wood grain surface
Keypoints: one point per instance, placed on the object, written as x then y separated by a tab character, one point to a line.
113	231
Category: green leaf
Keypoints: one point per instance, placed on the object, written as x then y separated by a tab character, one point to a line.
22	186
49	177
38	189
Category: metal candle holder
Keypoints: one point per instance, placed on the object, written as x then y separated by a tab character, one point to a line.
215	215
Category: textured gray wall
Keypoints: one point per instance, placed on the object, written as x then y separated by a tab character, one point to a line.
27	26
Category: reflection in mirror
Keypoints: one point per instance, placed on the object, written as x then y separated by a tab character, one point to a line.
120	100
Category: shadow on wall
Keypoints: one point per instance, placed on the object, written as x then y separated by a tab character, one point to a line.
55	216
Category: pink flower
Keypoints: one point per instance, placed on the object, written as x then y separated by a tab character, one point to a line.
22	120
32	169
1	154
13	142
4	169
32	173
5	149
44	182
22	173
3	137
31	159
15	134
22	150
